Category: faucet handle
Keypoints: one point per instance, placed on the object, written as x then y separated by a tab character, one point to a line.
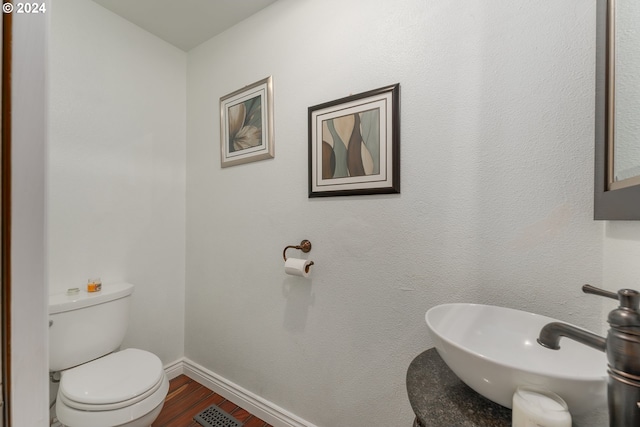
588	289
625	318
628	298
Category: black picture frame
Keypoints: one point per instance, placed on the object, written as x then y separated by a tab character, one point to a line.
354	144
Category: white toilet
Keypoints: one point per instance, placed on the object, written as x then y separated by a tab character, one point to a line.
101	387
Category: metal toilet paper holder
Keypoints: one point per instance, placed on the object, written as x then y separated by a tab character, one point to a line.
304	246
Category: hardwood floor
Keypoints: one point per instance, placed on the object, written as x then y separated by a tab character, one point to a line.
186	398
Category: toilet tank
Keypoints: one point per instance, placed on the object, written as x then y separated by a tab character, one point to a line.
87	325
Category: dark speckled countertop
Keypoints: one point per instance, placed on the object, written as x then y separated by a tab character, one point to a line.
440	399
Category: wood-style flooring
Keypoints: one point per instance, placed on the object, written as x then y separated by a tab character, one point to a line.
186	398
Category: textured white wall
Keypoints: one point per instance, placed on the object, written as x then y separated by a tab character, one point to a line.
116	179
496	204
621	255
621	268
29	345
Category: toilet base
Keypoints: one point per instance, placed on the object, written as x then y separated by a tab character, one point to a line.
144	421
147	420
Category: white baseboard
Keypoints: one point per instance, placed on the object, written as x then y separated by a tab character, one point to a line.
262	408
174	369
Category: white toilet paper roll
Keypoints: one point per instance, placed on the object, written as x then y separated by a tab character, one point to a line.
297	267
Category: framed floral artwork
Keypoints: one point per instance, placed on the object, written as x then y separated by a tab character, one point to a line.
246	124
354	144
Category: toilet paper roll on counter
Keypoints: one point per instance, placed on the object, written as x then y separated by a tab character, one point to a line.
297	267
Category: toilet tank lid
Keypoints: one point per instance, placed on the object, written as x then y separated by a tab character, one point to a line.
61	302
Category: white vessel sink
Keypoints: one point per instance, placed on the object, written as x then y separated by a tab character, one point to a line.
494	350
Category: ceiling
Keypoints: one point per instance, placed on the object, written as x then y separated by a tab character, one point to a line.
185	23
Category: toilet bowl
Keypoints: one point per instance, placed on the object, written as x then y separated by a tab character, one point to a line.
126	388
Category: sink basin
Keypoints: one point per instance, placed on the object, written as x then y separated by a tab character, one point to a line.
494	350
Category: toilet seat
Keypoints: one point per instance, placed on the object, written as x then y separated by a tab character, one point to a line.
112	390
109	406
113	381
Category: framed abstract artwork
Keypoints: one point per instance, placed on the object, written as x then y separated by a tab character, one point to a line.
354	144
246	124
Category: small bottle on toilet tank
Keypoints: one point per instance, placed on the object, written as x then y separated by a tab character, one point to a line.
94	285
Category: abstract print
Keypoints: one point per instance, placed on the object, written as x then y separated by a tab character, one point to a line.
245	125
351	145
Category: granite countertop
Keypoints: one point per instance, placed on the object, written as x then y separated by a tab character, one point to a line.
440	399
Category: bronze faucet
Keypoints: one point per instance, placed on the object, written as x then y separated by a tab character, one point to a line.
622	346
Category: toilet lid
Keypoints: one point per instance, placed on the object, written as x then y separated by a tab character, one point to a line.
116	378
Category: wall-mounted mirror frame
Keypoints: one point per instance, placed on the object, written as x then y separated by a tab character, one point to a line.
609	203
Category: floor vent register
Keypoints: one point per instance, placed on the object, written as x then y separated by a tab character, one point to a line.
216	417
